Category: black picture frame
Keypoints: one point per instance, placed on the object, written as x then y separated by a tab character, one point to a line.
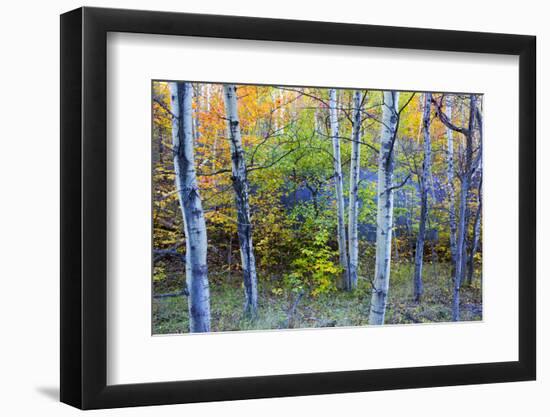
84	207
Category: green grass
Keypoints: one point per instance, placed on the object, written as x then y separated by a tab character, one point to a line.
334	309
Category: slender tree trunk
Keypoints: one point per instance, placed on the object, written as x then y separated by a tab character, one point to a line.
196	269
424	189
384	217
353	191
466	241
339	185
282	111
476	233
274	114
450	182
240	186
477	221
208	87
462	215
433	255
461	252
196	121
161	147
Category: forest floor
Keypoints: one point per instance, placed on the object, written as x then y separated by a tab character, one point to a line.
282	309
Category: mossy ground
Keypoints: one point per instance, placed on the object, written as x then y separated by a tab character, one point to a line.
334	309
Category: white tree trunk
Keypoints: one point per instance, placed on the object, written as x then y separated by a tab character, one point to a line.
461	252
450	181
463	213
196	121
339	188
274	114
424	190
240	186
478	172
384	216
476	233
282	111
196	269
353	190
208	93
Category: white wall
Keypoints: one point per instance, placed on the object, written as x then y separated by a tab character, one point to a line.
29	222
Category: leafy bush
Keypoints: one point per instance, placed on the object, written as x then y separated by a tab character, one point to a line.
314	269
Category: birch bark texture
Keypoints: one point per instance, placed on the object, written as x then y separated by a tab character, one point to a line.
339	190
476	233
466	178
450	180
196	269
240	187
196	120
384	216
355	167
424	181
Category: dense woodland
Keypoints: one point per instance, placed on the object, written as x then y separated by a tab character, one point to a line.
287	207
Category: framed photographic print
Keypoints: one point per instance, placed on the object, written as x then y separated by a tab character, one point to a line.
257	207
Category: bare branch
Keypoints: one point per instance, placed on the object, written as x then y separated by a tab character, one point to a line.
445	120
395	187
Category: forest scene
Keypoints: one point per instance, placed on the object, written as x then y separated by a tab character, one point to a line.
279	207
